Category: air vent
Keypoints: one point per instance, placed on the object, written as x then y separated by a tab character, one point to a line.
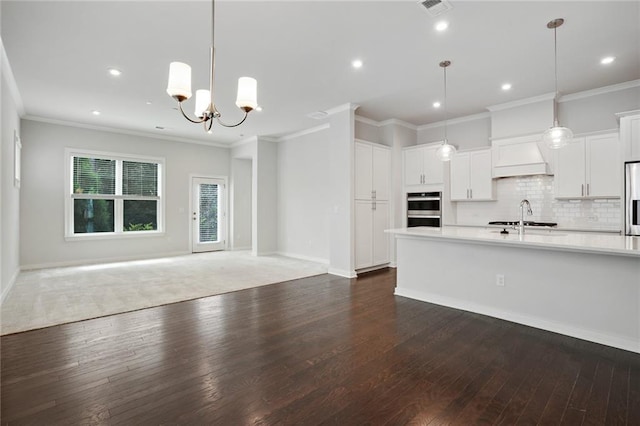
436	7
318	115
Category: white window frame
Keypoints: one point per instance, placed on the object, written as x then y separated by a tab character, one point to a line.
118	197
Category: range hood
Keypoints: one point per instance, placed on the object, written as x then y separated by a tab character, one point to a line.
519	157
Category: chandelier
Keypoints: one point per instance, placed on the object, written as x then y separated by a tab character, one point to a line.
179	88
556	136
445	152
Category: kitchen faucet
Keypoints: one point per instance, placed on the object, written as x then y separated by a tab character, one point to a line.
529	213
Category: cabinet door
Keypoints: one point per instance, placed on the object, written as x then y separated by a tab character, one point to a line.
363	171
433	167
459	184
363	234
630	137
413	162
570	170
380	238
604	169
480	181
381	172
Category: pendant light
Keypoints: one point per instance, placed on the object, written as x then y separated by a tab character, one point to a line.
445	152
556	136
179	88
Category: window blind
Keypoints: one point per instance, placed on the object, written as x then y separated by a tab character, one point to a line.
94	176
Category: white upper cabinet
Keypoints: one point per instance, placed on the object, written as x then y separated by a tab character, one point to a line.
372	171
589	168
471	176
422	166
630	136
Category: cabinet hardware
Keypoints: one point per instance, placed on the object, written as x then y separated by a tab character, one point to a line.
373	205
471	193
588	190
582	190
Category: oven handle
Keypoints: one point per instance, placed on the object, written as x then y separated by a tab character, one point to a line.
423	198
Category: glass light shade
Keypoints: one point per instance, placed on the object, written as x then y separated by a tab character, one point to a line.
556	137
179	85
203	99
445	152
247	93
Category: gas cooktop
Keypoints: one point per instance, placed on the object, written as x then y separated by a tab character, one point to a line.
526	223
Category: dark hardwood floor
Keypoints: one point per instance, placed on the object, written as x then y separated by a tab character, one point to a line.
320	350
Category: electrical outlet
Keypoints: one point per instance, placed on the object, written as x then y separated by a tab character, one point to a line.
500	280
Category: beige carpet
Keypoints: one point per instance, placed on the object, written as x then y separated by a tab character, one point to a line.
48	297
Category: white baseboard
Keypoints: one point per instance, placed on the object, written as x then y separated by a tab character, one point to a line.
393	264
303	257
6	291
100	260
620	342
342	273
243	248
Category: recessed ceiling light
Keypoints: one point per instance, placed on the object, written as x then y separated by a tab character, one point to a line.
506	86
607	60
356	63
436	104
115	72
149	102
258	108
442	25
95	112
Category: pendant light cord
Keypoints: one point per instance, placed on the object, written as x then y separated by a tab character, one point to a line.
212	59
445	104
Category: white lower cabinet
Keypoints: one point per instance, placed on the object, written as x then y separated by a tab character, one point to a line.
471	176
589	168
371	242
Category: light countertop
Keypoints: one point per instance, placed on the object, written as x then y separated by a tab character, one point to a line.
592	242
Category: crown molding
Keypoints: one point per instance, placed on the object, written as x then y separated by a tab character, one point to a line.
391	121
343	107
8	76
303	132
458	120
600	91
522	102
123	131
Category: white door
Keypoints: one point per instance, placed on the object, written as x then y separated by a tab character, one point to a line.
364	173
363	234
480	176
604	172
459	183
381	173
208	214
413	162
380	238
570	170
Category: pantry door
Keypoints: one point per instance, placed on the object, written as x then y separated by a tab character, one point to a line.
208	214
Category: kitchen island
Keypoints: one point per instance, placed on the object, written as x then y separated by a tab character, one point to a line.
581	285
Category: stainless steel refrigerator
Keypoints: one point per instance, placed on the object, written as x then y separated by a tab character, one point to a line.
632	198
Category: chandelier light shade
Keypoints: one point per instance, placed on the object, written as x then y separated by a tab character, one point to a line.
556	136
179	88
445	152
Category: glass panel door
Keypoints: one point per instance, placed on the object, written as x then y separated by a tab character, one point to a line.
208	215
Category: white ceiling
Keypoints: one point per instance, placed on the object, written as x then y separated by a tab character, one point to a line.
300	52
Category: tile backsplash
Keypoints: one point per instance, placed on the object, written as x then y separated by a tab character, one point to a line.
579	214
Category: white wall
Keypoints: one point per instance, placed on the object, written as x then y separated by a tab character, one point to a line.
240	201
43	186
518	120
368	131
265	198
9	194
304	196
594	113
466	134
340	180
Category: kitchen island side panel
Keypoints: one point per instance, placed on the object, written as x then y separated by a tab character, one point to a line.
591	296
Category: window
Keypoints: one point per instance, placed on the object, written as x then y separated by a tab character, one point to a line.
113	195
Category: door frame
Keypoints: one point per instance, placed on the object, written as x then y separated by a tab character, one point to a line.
225	212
